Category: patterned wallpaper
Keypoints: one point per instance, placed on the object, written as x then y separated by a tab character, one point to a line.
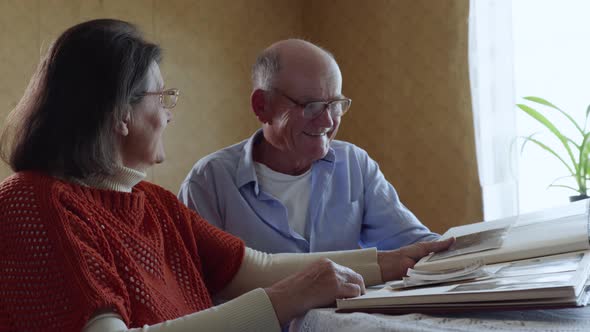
404	64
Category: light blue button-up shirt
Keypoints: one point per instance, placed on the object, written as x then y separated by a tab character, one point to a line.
351	204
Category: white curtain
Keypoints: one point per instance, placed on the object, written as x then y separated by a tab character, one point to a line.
494	115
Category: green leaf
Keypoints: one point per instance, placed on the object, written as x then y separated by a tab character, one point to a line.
545	122
526	140
574	143
542	101
568	187
561	178
584	153
548	149
583	162
581	189
552	184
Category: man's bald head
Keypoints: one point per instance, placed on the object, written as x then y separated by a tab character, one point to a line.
291	78
286	54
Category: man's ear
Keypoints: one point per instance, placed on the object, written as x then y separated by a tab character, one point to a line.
122	127
259	107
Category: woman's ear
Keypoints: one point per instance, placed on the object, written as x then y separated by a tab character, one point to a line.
122	127
259	107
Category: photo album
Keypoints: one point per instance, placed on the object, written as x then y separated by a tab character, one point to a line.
532	261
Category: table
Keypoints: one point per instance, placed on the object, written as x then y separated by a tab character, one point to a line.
554	320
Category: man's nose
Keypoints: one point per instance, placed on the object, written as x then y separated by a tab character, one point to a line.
325	117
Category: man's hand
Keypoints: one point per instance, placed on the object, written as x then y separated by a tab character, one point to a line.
324	281
318	285
395	263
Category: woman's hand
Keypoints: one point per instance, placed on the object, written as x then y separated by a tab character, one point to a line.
395	263
324	281
319	284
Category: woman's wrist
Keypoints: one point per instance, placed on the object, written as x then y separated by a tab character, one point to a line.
282	303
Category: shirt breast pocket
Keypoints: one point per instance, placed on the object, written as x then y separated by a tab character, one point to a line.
344	221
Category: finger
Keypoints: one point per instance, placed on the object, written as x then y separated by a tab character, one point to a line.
422	249
358	279
405	264
350	276
437	246
349	290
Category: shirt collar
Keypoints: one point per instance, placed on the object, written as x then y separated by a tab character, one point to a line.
246	172
330	156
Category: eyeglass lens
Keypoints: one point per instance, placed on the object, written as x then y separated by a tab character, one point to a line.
169	98
336	108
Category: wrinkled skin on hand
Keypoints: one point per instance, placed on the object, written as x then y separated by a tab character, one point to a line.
395	263
322	282
318	285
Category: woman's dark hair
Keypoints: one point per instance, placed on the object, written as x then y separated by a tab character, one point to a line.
86	83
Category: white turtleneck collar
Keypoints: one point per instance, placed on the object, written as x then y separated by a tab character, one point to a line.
123	180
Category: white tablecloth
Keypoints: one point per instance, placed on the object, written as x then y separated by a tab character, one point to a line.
554	320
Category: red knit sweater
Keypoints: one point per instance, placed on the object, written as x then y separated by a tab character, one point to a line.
67	251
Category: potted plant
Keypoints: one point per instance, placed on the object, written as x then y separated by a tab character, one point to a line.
574	155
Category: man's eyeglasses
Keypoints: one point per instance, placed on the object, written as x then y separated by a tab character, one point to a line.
312	110
168	98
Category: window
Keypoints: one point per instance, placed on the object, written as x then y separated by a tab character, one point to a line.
551	43
524	48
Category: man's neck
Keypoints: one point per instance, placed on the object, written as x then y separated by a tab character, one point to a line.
265	153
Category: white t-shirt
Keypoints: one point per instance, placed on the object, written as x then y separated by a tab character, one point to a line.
291	190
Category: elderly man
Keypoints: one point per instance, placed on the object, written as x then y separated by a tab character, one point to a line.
291	187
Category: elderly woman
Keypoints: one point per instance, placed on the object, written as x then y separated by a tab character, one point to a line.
87	245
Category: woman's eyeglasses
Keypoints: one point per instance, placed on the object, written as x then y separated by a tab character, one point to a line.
168	98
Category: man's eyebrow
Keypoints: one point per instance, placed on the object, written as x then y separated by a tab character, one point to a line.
312	99
309	98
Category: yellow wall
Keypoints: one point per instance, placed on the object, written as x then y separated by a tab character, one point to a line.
404	65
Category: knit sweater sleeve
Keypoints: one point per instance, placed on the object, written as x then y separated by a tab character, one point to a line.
54	260
218	253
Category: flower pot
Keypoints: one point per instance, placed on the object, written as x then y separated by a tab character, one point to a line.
577	198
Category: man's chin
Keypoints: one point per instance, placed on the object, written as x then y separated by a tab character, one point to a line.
320	154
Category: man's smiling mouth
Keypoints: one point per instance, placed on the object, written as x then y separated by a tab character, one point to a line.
316	134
